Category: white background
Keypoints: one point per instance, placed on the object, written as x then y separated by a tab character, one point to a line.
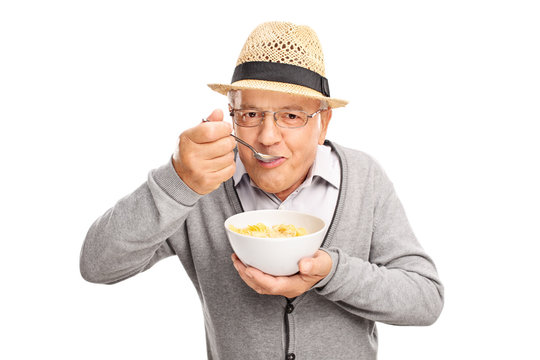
93	94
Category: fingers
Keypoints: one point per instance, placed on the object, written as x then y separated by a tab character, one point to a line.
206	176
204	157
218	163
288	286
220	175
215	149
246	276
210	131
201	159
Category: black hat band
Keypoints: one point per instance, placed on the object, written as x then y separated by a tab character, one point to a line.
280	72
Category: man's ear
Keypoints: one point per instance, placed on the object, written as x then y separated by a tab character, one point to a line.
325	120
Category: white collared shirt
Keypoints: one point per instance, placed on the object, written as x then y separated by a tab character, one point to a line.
317	195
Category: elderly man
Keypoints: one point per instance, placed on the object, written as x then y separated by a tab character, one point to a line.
369	267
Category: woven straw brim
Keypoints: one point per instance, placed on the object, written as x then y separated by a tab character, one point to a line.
279	87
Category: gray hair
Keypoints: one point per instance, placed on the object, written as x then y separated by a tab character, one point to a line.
235	98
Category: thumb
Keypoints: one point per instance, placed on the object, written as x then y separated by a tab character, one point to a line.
306	267
216	115
318	265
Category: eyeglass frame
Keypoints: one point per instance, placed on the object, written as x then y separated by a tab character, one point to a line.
231	113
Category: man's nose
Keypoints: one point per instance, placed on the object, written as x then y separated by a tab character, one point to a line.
269	132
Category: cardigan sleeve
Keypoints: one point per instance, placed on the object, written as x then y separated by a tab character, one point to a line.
399	283
132	235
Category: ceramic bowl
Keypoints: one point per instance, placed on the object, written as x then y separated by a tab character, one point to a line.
275	256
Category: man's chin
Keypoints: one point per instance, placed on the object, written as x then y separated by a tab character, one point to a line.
270	188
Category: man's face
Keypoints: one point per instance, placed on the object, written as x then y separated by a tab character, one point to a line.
297	146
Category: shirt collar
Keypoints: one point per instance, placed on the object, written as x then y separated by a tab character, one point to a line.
323	167
240	171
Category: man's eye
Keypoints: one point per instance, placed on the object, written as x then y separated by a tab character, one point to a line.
291	116
252	114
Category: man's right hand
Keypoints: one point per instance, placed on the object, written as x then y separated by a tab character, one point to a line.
204	157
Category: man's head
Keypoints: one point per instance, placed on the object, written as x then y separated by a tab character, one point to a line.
297	146
282	57
281	67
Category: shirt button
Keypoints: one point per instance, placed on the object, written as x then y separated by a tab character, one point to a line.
289	309
291	356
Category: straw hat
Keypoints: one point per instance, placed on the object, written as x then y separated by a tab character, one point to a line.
283	57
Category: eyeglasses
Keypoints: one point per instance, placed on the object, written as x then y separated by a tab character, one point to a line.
286	119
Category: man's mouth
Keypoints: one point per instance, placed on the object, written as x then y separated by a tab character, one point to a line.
272	164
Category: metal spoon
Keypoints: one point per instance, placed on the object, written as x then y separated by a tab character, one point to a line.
257	155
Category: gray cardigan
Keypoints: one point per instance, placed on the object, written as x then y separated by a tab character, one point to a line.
380	272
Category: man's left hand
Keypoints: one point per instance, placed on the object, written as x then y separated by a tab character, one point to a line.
312	270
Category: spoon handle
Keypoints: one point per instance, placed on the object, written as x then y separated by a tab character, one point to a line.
243	142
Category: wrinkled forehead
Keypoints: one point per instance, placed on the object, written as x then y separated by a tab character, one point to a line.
264	99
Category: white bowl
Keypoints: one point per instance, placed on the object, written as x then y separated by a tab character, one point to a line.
275	256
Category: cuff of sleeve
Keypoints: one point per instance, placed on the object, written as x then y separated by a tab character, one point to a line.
169	181
335	259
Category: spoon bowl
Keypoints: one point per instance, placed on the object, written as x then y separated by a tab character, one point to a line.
257	155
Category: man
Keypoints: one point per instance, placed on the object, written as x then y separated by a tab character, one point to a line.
369	267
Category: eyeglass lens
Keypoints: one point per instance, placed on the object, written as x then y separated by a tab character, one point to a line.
289	118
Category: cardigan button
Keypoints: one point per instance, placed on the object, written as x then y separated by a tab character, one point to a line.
291	356
289	309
